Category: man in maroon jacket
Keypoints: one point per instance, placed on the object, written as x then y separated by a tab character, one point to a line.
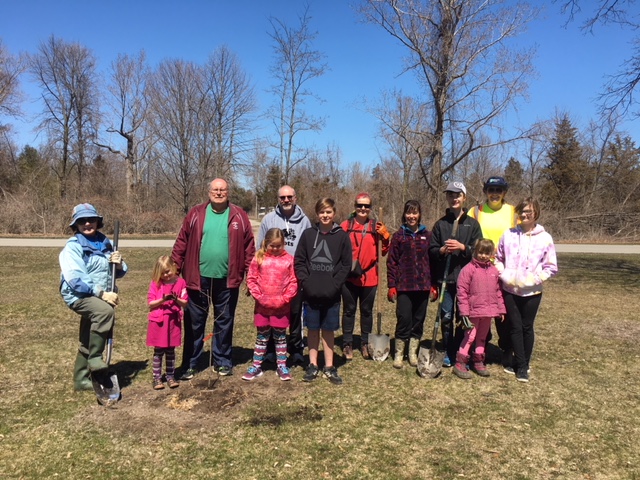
213	250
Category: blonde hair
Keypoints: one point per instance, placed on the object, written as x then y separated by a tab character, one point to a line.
271	235
164	263
483	245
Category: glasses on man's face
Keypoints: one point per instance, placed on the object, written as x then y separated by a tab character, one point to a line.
82	221
494	190
286	197
363	205
218	190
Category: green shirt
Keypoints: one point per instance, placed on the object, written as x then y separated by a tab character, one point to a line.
214	249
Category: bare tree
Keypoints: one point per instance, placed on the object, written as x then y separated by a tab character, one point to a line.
65	72
296	64
128	107
175	101
10	69
229	103
402	123
618	93
459	51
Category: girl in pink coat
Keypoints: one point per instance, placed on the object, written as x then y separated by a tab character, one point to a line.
166	298
272	283
479	300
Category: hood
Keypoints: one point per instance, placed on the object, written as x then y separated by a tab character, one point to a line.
537	230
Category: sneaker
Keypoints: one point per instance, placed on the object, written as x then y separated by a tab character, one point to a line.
347	350
188	374
157	384
311	373
252	373
284	374
224	371
511	371
446	362
332	374
522	376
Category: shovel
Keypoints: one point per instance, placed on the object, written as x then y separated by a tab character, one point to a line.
105	384
379	344
430	361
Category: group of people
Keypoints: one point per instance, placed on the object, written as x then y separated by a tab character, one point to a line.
488	263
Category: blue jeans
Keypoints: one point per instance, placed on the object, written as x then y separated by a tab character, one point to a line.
212	291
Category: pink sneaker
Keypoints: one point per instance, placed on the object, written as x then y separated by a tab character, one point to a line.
284	374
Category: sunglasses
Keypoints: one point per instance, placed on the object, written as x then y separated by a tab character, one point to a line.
286	197
494	190
363	205
82	221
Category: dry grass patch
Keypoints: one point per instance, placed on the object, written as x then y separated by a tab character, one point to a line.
576	419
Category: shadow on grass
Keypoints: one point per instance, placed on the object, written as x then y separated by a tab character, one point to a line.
599	270
128	370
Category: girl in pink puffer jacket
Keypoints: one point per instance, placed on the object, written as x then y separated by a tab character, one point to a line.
272	283
479	300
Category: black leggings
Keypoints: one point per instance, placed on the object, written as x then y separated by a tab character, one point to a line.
351	295
521	312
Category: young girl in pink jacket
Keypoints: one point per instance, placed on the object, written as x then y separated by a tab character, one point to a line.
479	300
166	298
272	283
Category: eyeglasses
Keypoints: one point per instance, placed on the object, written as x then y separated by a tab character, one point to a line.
363	205
218	190
494	190
286	197
82	221
526	213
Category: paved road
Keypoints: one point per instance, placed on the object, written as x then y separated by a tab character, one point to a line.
167	244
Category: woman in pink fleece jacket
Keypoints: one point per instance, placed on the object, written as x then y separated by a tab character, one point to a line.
479	300
272	283
526	257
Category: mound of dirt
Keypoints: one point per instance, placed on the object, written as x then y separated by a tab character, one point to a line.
201	403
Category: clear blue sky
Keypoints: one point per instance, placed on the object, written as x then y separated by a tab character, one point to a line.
363	60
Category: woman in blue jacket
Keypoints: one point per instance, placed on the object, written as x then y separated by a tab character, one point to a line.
84	285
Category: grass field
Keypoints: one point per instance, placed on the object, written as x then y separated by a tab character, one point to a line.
577	418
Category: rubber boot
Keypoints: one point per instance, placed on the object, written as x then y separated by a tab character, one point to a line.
397	359
414	344
460	369
81	380
478	365
96	347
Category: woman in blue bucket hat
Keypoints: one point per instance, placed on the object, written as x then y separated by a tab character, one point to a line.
84	285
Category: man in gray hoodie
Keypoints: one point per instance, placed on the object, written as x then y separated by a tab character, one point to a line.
290	218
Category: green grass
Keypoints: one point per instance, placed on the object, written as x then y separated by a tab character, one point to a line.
577	418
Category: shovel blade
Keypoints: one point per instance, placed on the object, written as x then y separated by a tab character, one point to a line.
430	362
379	347
106	387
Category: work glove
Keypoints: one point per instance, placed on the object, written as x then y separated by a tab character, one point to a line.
392	294
169	296
433	294
110	297
464	322
116	258
382	230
